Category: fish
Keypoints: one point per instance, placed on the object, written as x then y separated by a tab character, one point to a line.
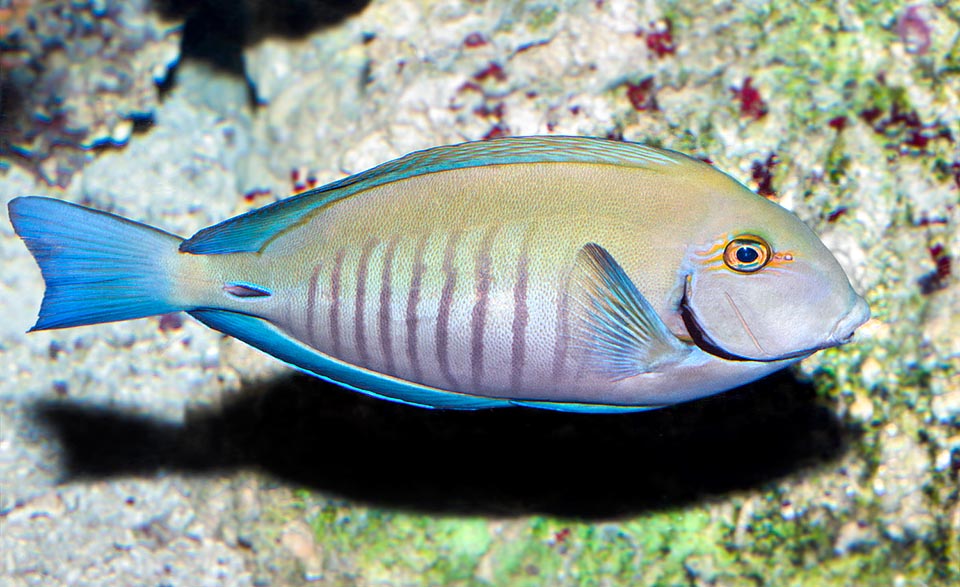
567	273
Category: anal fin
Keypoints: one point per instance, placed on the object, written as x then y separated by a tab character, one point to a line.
582	408
263	335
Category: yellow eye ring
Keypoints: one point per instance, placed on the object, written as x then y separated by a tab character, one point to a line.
747	253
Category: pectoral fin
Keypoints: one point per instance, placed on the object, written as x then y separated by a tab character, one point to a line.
619	328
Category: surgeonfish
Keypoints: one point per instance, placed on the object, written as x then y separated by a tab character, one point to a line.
567	273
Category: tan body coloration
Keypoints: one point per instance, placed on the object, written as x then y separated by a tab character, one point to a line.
562	272
461	280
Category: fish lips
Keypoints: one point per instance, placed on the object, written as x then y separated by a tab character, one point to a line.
841	333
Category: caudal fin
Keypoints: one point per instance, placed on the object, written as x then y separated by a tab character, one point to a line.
98	267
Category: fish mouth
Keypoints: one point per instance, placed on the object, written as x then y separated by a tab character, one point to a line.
704	342
845	327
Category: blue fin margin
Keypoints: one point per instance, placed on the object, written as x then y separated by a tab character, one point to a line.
262	335
250	232
583	408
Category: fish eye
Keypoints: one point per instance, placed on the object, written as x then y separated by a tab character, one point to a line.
746	253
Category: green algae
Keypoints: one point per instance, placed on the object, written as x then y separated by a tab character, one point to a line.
377	545
542	17
691	547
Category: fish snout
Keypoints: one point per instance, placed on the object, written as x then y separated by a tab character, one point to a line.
848	324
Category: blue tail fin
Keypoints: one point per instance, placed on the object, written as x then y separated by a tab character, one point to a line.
98	267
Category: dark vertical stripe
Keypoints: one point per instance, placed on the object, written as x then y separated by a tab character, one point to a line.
359	302
386	344
312	306
446	301
521	315
413	298
335	302
563	328
478	319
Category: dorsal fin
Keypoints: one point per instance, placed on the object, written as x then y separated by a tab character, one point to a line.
252	231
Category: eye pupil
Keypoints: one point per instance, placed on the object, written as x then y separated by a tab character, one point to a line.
747	254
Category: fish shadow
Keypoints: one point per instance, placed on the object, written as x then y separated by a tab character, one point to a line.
495	462
215	32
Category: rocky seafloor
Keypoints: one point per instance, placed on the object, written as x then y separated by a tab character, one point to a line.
160	452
